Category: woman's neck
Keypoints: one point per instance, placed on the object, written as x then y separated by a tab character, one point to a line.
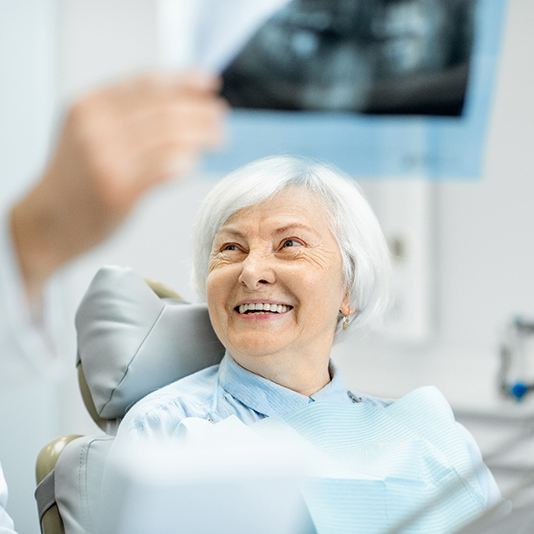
304	374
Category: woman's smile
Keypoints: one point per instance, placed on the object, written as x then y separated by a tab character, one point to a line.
262	310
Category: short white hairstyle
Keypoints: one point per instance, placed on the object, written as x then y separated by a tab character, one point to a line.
365	256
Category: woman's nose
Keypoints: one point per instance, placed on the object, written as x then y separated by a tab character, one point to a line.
256	271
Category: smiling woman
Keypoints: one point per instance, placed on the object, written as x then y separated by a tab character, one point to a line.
282	253
304	186
296	233
288	254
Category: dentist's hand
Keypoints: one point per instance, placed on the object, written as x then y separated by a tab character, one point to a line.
116	143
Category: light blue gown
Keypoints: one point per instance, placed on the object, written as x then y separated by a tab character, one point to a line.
411	461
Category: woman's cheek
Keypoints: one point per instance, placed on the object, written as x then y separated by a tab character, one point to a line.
217	299
219	284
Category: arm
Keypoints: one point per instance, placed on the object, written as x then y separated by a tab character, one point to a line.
24	344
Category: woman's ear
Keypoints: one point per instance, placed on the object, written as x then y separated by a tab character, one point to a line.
345	308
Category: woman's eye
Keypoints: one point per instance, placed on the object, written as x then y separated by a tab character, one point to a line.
291	243
229	247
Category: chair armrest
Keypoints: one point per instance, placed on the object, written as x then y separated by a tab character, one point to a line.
49	517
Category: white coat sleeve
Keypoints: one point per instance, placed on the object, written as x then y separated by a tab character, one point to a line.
25	347
6	524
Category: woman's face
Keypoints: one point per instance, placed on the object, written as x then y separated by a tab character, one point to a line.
282	253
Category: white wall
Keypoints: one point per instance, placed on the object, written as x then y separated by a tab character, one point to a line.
28	77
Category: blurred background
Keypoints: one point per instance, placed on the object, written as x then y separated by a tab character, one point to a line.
462	246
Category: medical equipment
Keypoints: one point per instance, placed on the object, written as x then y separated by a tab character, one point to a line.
516	372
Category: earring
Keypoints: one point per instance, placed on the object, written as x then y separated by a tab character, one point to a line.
346	322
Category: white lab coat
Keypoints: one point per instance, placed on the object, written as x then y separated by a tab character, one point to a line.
6	524
28	376
38	390
39	397
7	350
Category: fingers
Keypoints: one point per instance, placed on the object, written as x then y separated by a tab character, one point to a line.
133	176
153	89
166	140
114	145
163	163
192	123
128	137
152	111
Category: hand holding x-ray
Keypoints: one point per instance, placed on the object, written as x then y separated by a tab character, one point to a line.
116	143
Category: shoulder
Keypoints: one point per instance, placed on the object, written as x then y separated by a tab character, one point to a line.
426	412
160	412
422	403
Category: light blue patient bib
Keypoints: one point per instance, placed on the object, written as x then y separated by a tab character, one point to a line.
396	460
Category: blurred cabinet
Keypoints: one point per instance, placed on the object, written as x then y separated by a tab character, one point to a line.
404	208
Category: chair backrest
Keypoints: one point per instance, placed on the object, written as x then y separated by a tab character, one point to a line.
134	336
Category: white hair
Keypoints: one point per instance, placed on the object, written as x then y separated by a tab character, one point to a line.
365	256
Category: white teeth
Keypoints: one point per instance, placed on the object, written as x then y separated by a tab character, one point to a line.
277	308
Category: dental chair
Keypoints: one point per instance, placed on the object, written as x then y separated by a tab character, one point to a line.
134	336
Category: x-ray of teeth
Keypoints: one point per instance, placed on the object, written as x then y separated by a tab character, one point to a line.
367	56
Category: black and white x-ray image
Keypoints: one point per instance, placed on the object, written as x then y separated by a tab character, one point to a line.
368	56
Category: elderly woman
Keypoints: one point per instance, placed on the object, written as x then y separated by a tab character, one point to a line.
288	255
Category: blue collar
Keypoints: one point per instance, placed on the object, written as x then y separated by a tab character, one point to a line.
269	398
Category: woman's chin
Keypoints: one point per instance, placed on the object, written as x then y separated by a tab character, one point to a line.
257	344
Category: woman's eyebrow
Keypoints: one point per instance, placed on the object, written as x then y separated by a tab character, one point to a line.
232	231
299	226
229	230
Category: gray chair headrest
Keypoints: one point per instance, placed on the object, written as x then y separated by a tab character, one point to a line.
132	341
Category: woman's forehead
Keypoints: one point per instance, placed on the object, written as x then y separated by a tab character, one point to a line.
291	208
